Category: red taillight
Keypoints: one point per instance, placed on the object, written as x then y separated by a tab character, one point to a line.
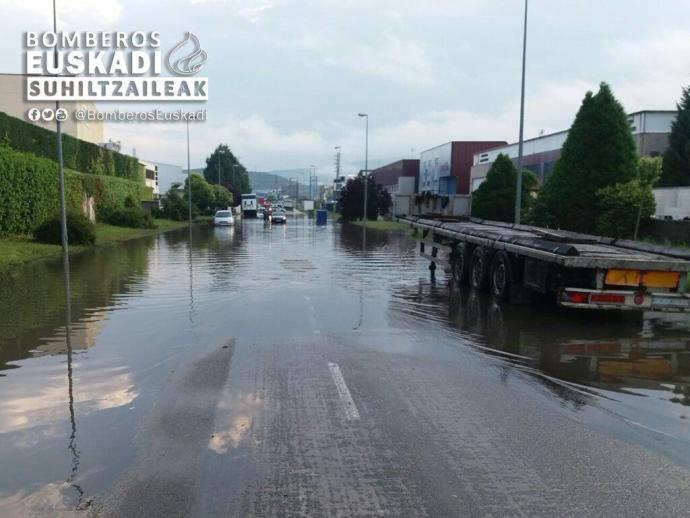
576	297
639	298
607	298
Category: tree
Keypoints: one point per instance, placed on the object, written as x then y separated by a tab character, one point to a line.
233	175
599	152
352	199
495	197
222	198
202	194
174	207
676	168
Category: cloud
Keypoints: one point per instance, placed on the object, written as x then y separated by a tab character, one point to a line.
74	12
249	10
400	60
649	73
249	137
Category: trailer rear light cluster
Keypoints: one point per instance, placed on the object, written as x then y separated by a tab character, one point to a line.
576	297
587	297
607	298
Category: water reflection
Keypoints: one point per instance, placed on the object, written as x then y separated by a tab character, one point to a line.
637	367
613	351
30	322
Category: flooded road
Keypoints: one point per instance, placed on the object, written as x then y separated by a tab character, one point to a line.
305	370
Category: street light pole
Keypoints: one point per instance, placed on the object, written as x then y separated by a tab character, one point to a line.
366	165
61	166
189	187
518	187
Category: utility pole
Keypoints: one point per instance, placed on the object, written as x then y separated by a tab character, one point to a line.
518	187
366	165
61	168
218	165
189	188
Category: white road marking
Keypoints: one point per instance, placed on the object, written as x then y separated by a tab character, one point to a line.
348	404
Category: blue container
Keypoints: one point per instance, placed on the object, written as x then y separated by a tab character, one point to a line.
321	216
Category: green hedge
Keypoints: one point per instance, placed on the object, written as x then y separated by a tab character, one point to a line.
29	191
77	154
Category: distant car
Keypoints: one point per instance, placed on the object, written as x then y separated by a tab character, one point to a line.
223	218
279	216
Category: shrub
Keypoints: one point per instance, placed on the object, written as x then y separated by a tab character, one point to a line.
29	191
78	154
620	205
80	231
174	207
127	216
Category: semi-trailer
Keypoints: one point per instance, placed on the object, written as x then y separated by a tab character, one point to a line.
515	262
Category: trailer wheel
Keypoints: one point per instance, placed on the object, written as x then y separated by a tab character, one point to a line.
501	276
459	265
479	269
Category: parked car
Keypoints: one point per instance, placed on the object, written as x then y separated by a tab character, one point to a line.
279	216
223	218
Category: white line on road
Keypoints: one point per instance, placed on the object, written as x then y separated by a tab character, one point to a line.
349	405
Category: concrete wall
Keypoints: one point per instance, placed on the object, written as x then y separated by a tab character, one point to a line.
672	202
457	205
12	102
673	231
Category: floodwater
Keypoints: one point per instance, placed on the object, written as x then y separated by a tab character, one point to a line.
248	306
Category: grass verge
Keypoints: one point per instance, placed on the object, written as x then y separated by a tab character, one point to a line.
382	224
21	249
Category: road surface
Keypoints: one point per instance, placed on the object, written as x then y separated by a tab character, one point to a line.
300	371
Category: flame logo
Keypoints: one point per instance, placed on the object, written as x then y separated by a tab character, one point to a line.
190	63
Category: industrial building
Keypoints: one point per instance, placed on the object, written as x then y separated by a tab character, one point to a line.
445	169
650	131
400	177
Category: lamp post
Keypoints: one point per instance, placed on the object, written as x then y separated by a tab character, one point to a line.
61	166
366	164
518	187
312	182
189	187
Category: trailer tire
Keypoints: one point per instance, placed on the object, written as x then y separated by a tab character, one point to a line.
479	269
501	276
459	265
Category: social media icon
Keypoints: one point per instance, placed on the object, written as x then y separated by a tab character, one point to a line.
61	115
48	114
34	114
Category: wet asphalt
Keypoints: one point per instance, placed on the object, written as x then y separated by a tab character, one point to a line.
315	371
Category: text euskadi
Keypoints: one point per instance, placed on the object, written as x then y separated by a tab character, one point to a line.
140	116
104	66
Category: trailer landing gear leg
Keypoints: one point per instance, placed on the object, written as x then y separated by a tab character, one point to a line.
432	270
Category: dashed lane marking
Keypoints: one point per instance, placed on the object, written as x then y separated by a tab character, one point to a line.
349	406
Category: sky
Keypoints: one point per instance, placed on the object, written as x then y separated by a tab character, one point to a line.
287	78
